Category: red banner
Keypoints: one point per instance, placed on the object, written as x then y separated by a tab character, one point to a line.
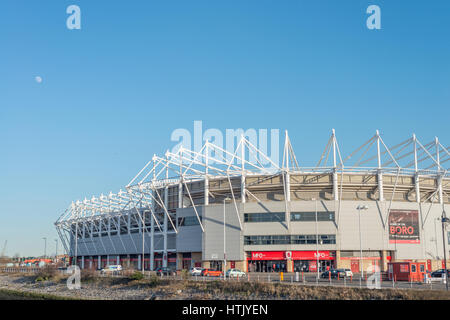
294	255
311	255
268	255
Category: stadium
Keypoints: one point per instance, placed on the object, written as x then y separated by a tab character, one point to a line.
218	209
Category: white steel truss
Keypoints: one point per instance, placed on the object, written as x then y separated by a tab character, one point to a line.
147	192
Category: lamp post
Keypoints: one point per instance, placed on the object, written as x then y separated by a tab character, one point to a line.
317	241
444	220
359	208
224	239
56	251
45	247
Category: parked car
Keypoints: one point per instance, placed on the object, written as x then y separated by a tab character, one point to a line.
196	271
211	273
345	273
440	273
165	271
234	273
112	269
329	273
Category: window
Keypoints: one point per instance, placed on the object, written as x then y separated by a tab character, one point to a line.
289	239
311	216
265	217
404	268
422	268
413	268
188	221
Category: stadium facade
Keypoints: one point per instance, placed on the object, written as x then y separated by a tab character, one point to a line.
184	210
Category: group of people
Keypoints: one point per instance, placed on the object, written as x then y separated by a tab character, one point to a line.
267	267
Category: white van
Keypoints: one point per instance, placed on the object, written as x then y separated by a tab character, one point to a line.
112	269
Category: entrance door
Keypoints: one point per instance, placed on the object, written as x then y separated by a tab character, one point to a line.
354	264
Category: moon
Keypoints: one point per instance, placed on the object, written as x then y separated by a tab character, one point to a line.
38	79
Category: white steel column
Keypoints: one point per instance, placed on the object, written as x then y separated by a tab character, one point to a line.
180	184
82	262
243	170
380	175
439	179
416	176
335	179
206	176
166	221
287	181
99	261
139	262
152	244
152	223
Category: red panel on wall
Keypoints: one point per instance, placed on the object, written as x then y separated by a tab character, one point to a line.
311	255
267	255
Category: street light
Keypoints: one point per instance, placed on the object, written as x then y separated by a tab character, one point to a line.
56	251
45	247
317	241
444	220
224	239
359	208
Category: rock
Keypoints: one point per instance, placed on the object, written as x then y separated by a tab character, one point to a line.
152	297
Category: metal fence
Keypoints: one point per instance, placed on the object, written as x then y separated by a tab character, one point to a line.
374	280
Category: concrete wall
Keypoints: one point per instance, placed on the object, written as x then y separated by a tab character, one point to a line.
374	227
189	238
212	241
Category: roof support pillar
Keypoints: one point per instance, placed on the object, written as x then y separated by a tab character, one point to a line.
416	175
335	177
439	178
379	174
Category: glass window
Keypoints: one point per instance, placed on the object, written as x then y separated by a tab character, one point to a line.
265	217
311	216
188	221
288	239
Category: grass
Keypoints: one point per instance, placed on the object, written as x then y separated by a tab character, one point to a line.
219	289
7	294
255	290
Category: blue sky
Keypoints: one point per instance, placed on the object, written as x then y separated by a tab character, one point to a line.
113	92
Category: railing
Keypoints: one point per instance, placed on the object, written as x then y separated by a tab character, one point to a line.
371	280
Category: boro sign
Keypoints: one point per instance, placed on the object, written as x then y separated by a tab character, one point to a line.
404	226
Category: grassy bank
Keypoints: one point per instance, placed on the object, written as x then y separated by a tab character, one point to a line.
7	294
155	288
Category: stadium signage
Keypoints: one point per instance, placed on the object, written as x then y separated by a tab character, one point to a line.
404	226
293	255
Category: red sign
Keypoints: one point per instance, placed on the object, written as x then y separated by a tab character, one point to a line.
267	255
311	255
294	255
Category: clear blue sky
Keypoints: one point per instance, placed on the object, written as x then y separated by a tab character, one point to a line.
113	91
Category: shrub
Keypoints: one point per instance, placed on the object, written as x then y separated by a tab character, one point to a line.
137	275
154	281
185	274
